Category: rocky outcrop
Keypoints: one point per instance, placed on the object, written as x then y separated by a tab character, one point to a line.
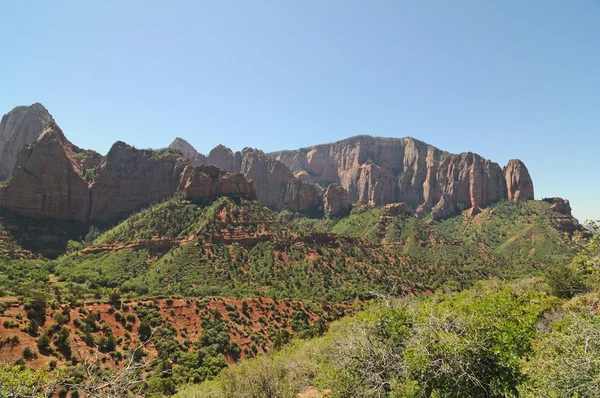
472	212
423	210
275	184
18	128
195	158
444	208
47	181
205	183
335	201
518	181
130	179
398	209
559	205
380	171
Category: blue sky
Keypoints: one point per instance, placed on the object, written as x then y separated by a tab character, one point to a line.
504	78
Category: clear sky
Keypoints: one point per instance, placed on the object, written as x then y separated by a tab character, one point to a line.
503	78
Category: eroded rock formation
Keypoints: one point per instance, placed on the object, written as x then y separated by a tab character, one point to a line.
130	179
209	182
47	181
444	208
276	186
18	128
58	180
54	179
388	170
559	205
223	157
518	181
335	201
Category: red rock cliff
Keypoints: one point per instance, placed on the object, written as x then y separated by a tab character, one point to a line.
47	181
518	181
19	127
130	179
275	184
209	182
388	170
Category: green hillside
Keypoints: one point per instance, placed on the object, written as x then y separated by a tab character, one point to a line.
235	280
244	249
496	339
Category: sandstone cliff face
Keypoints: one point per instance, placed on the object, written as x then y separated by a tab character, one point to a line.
130	179
385	170
208	182
518	181
47	181
18	128
275	184
54	179
335	201
195	158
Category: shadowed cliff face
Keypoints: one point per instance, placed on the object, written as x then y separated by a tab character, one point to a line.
19	127
386	170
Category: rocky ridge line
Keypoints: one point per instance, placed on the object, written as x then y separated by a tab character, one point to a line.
380	171
54	179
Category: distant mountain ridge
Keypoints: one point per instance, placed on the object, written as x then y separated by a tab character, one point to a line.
379	171
55	179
